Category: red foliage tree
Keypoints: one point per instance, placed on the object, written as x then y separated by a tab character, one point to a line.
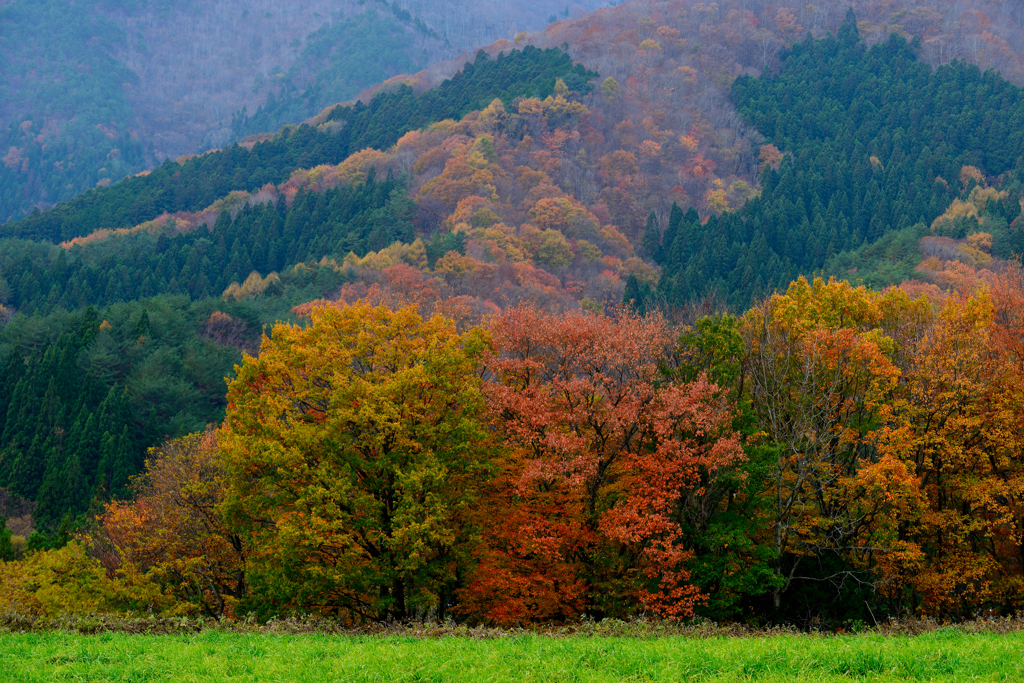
602	455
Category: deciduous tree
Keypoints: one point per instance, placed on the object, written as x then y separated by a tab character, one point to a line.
821	371
351	448
172	531
957	427
601	456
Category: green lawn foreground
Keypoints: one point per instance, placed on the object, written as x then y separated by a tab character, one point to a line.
944	655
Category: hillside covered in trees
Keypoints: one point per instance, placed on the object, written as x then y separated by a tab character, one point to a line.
579	360
182	276
97	90
861	143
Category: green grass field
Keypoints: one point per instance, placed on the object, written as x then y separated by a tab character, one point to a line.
944	655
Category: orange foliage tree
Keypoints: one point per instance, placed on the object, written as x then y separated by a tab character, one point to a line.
172	531
957	426
601	455
822	368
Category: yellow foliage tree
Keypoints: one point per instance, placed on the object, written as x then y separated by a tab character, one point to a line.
351	447
821	365
956	427
67	581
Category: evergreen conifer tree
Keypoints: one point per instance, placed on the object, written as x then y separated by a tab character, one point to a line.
6	549
652	238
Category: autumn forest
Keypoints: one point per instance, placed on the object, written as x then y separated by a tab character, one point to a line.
669	309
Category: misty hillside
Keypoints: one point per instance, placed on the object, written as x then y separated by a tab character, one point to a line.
96	90
718	179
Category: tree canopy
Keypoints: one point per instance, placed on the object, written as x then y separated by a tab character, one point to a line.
351	448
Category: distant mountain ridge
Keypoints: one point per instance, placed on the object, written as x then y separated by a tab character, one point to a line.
99	89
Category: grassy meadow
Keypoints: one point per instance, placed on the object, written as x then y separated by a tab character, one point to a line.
941	655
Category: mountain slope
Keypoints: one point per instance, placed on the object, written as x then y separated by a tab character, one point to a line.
99	89
167	334
870	137
196	183
699	161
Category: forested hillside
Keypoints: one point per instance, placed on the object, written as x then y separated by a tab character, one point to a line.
97	90
173	337
861	143
198	182
550	339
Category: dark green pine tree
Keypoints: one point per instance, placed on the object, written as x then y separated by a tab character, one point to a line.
64	490
29	452
631	295
675	219
142	326
638	295
117	464
652	238
6	549
13	372
848	35
89	327
86	440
